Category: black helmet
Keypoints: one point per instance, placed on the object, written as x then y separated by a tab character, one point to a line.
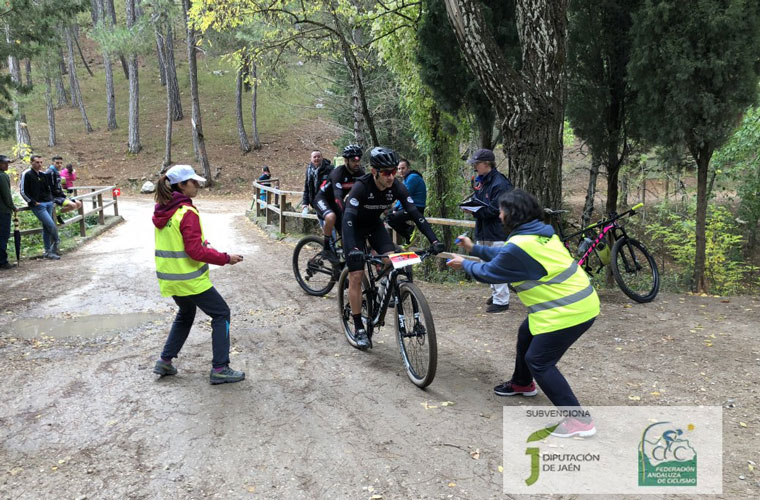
352	150
383	158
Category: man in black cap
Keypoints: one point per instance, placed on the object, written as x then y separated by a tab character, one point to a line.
489	184
6	209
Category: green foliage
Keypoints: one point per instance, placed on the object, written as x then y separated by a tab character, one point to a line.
695	68
672	237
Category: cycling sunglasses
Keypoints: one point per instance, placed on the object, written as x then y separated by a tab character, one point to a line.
389	172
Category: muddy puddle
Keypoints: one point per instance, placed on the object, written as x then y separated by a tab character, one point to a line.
97	325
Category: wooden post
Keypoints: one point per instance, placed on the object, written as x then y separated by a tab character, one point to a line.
82	225
257	201
101	214
94	205
115	205
268	210
282	213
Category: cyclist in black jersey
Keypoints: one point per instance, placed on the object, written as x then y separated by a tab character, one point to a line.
369	198
328	201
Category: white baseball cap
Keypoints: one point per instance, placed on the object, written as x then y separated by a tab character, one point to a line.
181	173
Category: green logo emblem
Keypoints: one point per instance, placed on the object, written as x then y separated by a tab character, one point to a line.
666	458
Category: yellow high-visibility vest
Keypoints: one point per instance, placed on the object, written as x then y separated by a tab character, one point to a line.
177	273
564	297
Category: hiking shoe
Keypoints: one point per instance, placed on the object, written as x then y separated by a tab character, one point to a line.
497	308
226	376
7	265
489	301
362	340
51	256
571	427
163	368
59	219
510	389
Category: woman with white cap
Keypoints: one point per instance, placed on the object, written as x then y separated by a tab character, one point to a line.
182	259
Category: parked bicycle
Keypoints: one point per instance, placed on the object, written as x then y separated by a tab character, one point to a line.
390	287
313	271
633	267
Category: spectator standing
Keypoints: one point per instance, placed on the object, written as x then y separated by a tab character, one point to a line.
68	176
56	189
488	185
562	303
264	181
7	208
35	190
317	172
415	184
182	259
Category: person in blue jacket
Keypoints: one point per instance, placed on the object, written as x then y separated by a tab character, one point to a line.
415	184
562	304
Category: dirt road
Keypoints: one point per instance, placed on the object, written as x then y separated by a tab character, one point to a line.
84	417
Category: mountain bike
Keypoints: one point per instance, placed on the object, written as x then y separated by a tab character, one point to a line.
313	271
633	267
388	286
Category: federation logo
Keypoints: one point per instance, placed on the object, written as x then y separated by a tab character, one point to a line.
666	457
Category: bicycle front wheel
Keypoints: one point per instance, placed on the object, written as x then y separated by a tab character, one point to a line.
635	270
313	272
344	307
415	331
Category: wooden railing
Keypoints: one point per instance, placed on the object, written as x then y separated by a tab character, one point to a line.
95	193
276	204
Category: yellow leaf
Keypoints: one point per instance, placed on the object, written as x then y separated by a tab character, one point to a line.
655	393
452	484
501	469
634	398
251	489
750	467
376	497
742	424
447	403
55	467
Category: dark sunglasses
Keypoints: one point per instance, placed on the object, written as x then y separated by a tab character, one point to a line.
388	173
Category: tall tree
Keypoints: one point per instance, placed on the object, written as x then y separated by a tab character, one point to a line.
22	131
707	69
171	71
600	100
245	146
106	24
75	91
133	143
529	102
199	141
50	111
254	106
60	90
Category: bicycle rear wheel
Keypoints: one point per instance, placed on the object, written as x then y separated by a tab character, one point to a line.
346	320
313	272
635	270
415	331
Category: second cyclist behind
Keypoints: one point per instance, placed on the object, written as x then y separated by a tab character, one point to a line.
328	201
370	196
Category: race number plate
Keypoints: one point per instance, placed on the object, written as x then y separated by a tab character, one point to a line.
404	259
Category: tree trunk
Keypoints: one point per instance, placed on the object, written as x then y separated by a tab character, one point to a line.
171	73
133	144
198	139
73	96
28	71
485	130
588	206
50	111
441	186
108	68
75	91
624	184
22	131
60	89
254	110
75	35
244	145
95	11
362	116
530	104
111	12
702	156
160	58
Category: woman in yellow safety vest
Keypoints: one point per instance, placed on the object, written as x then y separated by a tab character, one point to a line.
562	304
182	259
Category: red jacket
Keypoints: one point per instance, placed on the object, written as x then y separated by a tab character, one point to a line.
190	228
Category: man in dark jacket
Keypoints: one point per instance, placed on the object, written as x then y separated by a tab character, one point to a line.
489	184
317	172
35	189
7	208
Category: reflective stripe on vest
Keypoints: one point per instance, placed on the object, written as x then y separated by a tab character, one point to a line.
561	299
177	273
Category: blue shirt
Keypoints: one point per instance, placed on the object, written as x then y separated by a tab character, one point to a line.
415	184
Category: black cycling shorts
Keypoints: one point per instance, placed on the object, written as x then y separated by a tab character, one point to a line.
321	206
379	240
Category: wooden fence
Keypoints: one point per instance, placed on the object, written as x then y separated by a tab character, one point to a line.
95	194
275	205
